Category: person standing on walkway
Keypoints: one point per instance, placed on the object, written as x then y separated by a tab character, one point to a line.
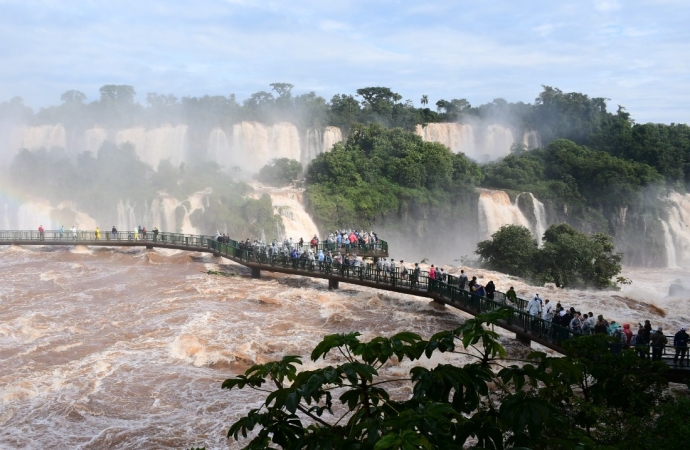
61	231
490	290
680	342
41	233
462	280
627	332
114	232
414	281
642	343
534	307
98	233
74	232
511	295
659	342
548	310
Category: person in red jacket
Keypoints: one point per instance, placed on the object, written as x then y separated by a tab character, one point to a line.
628	334
41	233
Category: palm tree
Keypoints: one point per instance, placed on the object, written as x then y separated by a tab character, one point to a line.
425	100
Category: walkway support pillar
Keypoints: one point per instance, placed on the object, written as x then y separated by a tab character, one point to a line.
149	247
524	339
256	273
333	284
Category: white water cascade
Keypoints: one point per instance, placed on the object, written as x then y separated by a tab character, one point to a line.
44	136
671	258
317	142
677	230
126	216
496	210
481	143
289	204
154	145
538	225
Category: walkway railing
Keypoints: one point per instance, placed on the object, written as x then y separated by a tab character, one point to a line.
380	248
449	290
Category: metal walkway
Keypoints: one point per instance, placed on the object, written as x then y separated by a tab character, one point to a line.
259	258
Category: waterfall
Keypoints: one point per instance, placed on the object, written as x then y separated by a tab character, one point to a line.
531	139
497	142
331	136
255	144
481	143
219	149
540	213
126	216
94	138
671	259
540	224
678	229
496	210
313	146
154	145
288	203
44	136
32	214
169	204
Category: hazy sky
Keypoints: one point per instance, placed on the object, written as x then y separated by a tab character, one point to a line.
637	53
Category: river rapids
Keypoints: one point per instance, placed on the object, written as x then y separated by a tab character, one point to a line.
110	348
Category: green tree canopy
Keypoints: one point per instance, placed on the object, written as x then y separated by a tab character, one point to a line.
377	170
512	249
280	172
567	258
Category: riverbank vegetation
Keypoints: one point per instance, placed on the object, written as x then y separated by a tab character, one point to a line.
590	399
567	257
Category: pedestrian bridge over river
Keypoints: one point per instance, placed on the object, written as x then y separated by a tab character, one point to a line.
527	328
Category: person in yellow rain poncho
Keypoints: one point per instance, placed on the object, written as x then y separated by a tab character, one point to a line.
136	234
98	233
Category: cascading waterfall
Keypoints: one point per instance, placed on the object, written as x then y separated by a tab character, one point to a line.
496	210
481	143
671	259
219	149
126	216
677	230
538	215
154	145
288	203
531	139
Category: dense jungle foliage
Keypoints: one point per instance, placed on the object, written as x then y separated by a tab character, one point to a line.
378	171
592	399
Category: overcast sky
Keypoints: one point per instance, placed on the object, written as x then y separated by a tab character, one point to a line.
634	52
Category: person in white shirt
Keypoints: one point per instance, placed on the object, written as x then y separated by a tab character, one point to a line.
534	307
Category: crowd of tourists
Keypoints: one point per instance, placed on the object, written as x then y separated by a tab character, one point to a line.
73	234
642	340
